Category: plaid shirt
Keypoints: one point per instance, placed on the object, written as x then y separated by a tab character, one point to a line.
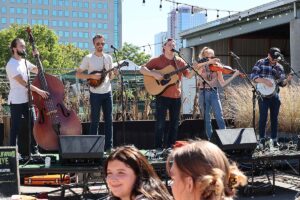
263	69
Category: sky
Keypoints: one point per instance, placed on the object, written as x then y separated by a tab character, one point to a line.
140	22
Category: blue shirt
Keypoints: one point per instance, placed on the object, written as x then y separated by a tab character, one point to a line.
264	69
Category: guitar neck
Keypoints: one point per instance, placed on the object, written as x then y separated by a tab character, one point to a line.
178	70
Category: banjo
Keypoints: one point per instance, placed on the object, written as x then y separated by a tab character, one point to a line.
265	90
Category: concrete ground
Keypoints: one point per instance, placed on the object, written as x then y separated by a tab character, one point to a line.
287	187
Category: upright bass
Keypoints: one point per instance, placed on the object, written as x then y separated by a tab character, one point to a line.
53	117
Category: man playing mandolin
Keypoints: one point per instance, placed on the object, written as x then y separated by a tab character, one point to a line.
270	73
170	98
100	96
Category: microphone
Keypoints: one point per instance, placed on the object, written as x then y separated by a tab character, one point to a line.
234	55
176	51
114	48
278	56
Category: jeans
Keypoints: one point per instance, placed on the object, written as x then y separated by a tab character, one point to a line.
17	112
162	105
103	101
272	103
212	102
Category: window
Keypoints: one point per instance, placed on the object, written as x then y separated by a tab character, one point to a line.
66	13
80	24
94	25
99	5
60	3
54	23
99	15
86	45
33	11
11	10
3	10
19	10
105	5
46	2
54	13
104	26
66	34
25	21
74	14
80	44
60	13
94	15
66	24
46	12
54	2
25	11
75	34
105	16
86	34
80	4
74	24
40	12
33	21
80	34
12	20
86	15
86	4
25	1
46	22
86	24
99	26
80	14
3	20
74	4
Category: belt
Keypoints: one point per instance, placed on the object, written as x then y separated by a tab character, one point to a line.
209	89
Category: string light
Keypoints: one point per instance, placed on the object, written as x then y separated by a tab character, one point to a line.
229	17
192	10
176	7
240	17
160	5
248	17
217	13
205	12
144	1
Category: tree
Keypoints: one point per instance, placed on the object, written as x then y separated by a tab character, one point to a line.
133	53
57	57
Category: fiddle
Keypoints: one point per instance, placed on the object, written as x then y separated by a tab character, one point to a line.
220	67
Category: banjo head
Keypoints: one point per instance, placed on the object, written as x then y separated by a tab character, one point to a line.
265	90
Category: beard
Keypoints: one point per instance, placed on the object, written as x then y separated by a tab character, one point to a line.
21	53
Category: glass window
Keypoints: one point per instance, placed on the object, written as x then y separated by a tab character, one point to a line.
25	21
33	1
66	3
18	1
66	34
54	2
80	24
12	20
99	5
75	34
3	20
25	11
86	4
19	10
3	10
46	22
60	3
104	26
66	13
54	13
60	13
105	16
40	12
86	24
60	33
12	1
19	20
40	21
46	12
66	24
80	34
11	10
60	23
74	24
74	4
33	11
46	2
80	4
80	44
74	14
105	5
25	1
86	15
94	25
86	34
54	23
86	45
80	14
33	21
94	5
94	15
99	26
99	15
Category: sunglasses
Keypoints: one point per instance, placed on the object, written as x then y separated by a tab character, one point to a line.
100	43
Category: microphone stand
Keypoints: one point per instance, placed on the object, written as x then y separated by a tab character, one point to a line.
255	93
204	83
122	98
31	112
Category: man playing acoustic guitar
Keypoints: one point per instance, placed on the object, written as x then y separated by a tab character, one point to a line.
170	97
270	73
100	96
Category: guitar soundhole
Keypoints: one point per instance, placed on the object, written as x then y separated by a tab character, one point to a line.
164	82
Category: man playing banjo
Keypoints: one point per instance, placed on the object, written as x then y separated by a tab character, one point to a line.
269	74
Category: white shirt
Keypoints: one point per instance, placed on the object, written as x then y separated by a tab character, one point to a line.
18	93
92	63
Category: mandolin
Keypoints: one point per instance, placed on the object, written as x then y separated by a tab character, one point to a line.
96	83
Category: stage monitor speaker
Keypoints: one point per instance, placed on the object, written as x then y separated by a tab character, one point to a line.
81	147
235	139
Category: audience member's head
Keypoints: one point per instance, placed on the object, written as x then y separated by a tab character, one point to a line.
130	176
201	171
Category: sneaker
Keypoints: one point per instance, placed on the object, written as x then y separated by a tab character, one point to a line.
276	144
262	143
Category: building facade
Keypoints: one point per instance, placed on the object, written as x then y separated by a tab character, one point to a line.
74	21
183	18
159	38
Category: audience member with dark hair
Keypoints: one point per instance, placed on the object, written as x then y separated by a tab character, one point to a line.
129	176
201	171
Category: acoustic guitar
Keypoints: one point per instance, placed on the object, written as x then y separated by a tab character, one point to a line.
96	83
170	77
